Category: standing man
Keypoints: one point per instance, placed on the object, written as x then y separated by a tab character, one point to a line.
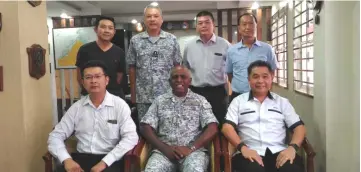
244	53
104	50
100	121
150	57
205	56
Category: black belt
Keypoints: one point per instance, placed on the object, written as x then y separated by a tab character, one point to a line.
209	87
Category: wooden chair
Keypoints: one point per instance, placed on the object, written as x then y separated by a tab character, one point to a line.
140	155
306	152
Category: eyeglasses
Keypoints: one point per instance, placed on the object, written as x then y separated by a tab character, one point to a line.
90	77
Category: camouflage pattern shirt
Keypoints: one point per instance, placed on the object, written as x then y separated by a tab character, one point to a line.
153	59
179	121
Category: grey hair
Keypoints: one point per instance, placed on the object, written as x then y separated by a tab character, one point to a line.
154	7
173	70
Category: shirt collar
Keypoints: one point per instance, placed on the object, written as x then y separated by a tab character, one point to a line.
108	100
241	45
171	96
251	97
213	39
146	35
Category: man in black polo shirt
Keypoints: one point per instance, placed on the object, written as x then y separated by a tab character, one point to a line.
104	50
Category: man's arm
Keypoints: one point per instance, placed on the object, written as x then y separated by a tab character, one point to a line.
229	66
177	56
185	57
121	67
230	133
128	135
272	60
207	135
79	62
131	61
132	80
61	132
230	76
298	136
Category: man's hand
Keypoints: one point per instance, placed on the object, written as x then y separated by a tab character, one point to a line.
99	167
132	99
182	151
252	155
171	154
71	166
285	155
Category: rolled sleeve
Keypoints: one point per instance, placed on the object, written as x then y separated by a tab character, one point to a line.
232	112
207	115
128	135
151	117
131	55
229	66
292	120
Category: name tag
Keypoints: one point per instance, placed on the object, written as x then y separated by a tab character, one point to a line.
112	121
218	54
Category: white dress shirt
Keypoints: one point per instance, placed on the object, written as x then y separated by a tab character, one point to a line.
262	125
108	129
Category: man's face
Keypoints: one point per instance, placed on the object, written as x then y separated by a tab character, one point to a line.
205	25
94	80
152	19
180	81
105	30
260	80
247	26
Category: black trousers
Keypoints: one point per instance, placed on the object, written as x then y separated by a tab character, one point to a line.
217	97
234	95
88	161
239	163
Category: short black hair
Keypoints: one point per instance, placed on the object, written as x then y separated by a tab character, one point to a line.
259	63
246	14
205	13
104	18
94	63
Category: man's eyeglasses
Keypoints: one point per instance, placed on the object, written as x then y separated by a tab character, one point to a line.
90	77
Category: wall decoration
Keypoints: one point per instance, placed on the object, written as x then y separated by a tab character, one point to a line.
36	55
67	42
0	22
34	3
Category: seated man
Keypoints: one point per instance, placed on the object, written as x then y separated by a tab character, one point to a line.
261	118
178	125
102	125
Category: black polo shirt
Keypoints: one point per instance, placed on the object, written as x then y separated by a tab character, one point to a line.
114	59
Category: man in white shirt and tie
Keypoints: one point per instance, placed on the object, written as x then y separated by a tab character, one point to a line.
100	121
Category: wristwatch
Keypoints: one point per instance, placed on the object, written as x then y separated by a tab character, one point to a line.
239	146
295	146
193	148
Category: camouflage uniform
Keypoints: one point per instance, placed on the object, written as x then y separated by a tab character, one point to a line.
153	61
179	122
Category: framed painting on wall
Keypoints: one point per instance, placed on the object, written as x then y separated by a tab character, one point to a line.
67	42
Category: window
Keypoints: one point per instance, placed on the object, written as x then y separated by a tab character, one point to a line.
303	48
279	43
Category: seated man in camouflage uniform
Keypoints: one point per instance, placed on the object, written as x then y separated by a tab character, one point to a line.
178	125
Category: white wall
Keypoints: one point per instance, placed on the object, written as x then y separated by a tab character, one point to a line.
52	68
332	115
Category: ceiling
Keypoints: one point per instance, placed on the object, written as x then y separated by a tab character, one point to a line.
124	11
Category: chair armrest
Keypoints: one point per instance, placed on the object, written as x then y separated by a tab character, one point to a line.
227	154
215	154
48	159
138	155
310	153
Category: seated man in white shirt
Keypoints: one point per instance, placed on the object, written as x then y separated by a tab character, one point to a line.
261	119
101	123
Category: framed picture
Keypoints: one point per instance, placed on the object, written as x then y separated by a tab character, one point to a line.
67	42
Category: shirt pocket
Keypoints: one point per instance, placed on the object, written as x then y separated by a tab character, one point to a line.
276	117
217	61
142	60
247	116
109	131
